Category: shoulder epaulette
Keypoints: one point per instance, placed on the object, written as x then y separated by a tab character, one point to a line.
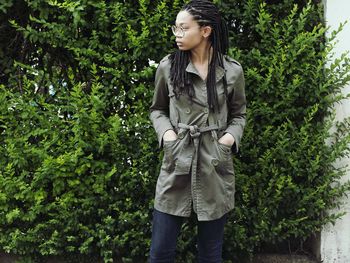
232	60
165	58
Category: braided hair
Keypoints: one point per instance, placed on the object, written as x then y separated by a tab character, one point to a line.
205	13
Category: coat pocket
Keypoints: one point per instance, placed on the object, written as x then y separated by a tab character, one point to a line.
223	162
225	149
177	157
169	155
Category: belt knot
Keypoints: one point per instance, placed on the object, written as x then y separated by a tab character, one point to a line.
194	131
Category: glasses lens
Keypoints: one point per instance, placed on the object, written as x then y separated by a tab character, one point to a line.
177	31
173	28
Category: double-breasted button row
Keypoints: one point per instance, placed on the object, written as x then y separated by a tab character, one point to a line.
188	110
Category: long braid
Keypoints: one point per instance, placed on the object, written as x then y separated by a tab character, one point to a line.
206	14
181	78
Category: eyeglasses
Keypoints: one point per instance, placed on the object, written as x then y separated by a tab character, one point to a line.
179	30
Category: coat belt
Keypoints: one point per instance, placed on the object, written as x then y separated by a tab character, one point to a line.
196	131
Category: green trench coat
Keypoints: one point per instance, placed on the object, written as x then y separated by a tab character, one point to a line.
197	171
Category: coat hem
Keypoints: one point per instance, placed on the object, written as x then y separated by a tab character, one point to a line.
201	216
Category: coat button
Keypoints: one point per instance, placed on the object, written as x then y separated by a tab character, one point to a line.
215	162
188	110
206	110
180	135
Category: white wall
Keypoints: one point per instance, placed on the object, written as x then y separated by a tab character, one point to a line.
335	240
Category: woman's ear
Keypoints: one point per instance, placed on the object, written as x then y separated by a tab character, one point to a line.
206	31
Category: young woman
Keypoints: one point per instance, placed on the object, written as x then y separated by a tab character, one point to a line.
198	112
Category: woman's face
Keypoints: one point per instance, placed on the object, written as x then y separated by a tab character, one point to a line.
194	35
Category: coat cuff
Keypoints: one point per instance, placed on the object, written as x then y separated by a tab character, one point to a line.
161	132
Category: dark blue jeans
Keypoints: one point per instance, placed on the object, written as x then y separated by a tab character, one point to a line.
166	228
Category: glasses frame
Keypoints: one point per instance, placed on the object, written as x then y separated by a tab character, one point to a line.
175	29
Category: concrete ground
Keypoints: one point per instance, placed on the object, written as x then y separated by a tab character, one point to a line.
275	258
262	258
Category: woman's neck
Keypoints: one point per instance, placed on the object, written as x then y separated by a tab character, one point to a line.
202	54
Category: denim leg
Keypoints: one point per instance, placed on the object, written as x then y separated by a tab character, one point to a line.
210	240
165	230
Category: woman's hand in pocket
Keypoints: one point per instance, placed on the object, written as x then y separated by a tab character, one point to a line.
227	139
169	135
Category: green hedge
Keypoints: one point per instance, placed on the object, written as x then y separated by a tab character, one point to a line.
78	155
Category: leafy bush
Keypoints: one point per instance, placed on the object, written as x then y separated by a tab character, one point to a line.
78	155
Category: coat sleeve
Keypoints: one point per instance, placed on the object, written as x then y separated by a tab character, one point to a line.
159	110
237	110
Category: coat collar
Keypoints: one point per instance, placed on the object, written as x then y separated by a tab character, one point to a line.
219	71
